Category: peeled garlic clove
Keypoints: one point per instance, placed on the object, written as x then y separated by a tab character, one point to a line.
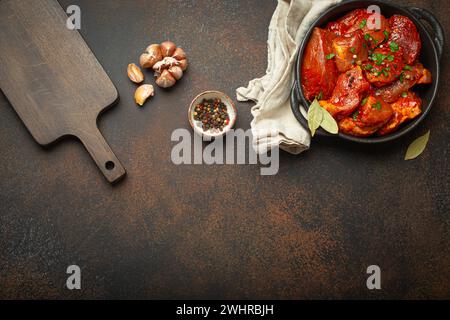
165	80
183	64
179	54
176	72
134	73
143	93
168	48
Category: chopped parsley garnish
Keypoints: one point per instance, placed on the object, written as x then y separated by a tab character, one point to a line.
377	105
394	46
402	76
330	56
367	37
406	67
363	23
386	34
378	58
368	67
385	73
404	94
355	115
390	57
352	50
363	102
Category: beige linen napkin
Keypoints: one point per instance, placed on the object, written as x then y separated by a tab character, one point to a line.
272	112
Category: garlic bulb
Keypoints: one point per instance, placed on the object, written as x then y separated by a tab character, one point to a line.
167	60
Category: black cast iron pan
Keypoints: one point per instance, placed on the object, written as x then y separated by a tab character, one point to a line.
432	48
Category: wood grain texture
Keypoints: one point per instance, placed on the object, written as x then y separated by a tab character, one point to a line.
52	78
198	231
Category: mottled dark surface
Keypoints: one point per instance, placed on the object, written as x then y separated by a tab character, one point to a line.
198	231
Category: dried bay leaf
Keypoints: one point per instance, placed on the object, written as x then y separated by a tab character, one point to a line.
315	116
328	123
319	117
416	148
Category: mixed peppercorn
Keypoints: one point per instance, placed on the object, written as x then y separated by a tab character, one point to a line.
212	113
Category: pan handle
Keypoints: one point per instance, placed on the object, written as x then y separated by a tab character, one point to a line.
102	154
438	31
296	106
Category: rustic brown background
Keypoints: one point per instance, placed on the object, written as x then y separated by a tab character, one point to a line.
198	231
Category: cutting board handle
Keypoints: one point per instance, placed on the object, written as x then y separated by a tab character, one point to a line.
102	154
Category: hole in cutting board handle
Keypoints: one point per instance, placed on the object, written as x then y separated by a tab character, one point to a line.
109	165
102	154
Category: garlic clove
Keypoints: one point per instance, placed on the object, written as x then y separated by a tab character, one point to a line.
143	93
146	61
179	54
165	80
154	50
183	64
134	73
168	48
151	55
176	72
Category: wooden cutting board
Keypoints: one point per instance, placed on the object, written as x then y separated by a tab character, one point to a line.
53	80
